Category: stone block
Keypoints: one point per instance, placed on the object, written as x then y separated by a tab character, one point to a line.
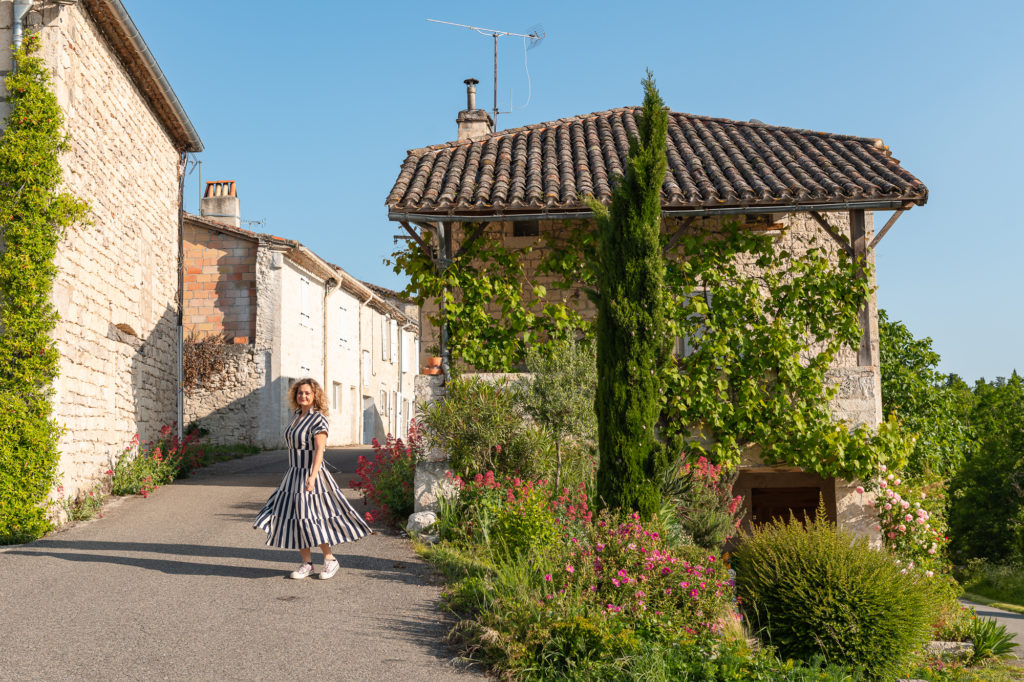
431	481
421	521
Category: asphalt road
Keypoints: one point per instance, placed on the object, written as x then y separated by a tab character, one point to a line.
179	586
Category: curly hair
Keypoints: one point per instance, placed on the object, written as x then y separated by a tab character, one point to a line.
319	397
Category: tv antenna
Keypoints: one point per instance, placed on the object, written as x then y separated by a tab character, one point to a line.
535	36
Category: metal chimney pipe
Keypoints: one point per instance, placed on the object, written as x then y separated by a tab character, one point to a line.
471	93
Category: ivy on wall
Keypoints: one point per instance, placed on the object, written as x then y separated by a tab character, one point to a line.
33	216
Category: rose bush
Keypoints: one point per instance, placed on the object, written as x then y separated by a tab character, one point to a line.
911	519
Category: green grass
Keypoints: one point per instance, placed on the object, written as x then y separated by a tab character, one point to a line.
1001	586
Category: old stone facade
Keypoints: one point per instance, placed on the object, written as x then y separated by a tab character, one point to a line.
308	318
117	288
857	402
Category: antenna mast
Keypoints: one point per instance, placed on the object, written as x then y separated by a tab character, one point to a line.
535	37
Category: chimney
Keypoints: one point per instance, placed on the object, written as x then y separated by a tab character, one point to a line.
220	203
473	123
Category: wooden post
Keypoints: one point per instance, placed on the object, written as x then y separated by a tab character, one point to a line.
859	238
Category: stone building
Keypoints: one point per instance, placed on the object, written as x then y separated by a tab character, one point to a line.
117	289
521	185
285	313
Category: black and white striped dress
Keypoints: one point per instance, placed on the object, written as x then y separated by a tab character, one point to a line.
296	519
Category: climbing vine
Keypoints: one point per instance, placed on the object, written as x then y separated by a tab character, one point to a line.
33	216
493	309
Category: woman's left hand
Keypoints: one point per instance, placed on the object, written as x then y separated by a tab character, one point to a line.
310	483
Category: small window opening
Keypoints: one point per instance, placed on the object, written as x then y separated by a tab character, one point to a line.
526	228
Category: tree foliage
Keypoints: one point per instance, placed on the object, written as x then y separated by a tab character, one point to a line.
33	216
986	516
632	345
931	405
560	396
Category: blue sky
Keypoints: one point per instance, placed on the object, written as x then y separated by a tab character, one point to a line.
310	108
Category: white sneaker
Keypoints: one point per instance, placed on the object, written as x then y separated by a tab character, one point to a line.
302	571
330	568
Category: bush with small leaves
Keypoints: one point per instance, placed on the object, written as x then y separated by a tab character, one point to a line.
821	591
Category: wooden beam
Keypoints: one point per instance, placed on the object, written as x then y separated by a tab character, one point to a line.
472	238
859	238
832	232
888	225
674	239
418	239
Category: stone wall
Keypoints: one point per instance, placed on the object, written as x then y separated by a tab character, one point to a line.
230	408
220	283
859	397
117	287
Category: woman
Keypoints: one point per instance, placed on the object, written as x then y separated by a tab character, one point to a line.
308	508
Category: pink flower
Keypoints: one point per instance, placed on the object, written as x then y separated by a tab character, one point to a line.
908	517
622	573
928	574
888	506
902	528
891	535
569	569
860	490
882	468
547	577
920	521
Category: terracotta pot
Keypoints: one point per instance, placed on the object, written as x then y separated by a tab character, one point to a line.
432	371
434	361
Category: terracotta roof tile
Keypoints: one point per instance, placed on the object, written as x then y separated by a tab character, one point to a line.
712	163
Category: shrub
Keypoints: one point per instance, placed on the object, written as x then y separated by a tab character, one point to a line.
35	213
822	591
482	426
560	397
701	504
143	467
911	519
387	480
629	569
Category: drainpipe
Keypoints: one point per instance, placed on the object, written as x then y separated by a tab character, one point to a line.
180	360
329	286
21	8
359	324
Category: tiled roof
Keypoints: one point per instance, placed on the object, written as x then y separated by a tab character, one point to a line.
713	163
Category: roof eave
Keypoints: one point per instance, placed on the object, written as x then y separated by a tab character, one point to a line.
488	216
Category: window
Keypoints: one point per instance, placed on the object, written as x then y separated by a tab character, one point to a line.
407	359
304	318
383	403
336	397
526	228
393	328
408	416
342	330
367	359
398	416
396	412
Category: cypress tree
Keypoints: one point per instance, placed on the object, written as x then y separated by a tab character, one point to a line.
632	346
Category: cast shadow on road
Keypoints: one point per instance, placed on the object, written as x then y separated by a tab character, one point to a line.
267	469
376	568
